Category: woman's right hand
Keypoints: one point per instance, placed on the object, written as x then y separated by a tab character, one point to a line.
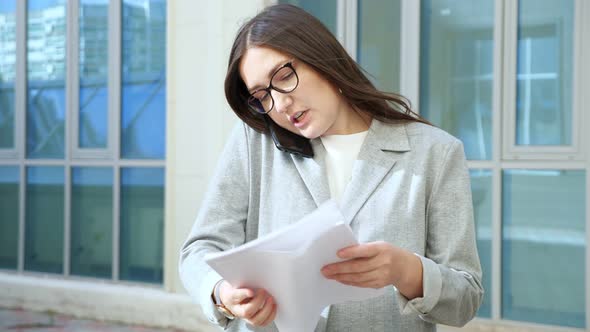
256	307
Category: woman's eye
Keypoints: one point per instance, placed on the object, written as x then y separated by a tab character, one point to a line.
287	76
262	96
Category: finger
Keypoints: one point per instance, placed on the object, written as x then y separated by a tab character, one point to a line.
240	295
357	277
272	315
365	250
263	314
375	284
248	310
358	265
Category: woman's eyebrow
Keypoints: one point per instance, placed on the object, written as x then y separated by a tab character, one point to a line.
268	75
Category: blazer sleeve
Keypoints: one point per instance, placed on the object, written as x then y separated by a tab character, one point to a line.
220	223
452	288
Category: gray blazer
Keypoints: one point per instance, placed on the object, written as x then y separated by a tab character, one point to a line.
409	187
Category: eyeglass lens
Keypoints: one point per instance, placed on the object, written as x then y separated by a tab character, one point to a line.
284	80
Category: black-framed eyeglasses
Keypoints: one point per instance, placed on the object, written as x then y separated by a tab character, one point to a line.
284	80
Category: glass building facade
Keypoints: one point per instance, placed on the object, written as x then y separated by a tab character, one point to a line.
91	169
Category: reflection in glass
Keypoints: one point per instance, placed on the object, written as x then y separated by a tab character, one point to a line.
324	10
7	73
456	70
92	222
379	41
44	219
545	71
93	62
9	203
544	246
143	118
481	188
142	224
46	71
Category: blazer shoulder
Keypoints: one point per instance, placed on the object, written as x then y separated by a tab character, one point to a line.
421	135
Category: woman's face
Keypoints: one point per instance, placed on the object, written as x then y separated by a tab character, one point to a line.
315	108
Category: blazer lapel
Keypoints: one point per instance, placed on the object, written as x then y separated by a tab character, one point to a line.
313	172
383	146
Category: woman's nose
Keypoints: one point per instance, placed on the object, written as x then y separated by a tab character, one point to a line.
282	101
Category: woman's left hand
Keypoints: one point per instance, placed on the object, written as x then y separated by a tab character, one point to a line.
376	265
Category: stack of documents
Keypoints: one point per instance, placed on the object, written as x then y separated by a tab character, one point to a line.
287	264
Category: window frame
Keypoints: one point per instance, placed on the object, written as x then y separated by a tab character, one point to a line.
114	51
512	151
19	100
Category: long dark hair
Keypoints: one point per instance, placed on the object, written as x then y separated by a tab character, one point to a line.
291	30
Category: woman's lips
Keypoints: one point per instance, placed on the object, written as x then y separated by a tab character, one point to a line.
302	120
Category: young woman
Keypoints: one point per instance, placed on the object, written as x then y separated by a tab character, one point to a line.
401	183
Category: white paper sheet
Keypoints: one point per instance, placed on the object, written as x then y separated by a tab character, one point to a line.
287	264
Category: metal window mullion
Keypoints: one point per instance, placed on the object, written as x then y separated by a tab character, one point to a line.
577	113
341	21
20	112
73	75
584	81
351	27
116	217
577	80
114	88
71	116
496	284
510	50
410	52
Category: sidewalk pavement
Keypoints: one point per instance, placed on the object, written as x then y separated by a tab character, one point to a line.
12	320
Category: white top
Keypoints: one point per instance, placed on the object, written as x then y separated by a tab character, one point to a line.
342	151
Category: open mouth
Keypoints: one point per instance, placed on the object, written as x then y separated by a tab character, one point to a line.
298	116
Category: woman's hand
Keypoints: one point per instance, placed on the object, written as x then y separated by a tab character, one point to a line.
256	307
376	265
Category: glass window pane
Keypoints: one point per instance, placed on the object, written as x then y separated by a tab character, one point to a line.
545	72
92	222
9	203
142	224
324	10
379	41
7	73
456	70
46	72
44	219
93	62
481	188
143	118
543	246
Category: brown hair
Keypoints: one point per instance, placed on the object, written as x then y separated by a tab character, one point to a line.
291	30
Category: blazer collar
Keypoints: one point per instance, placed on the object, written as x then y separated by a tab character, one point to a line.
383	146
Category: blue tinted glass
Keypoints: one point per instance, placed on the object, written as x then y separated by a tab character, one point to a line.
143	118
544	246
324	10
481	188
46	70
44	219
456	70
545	72
91	249
142	224
93	61
7	73
379	41
9	203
